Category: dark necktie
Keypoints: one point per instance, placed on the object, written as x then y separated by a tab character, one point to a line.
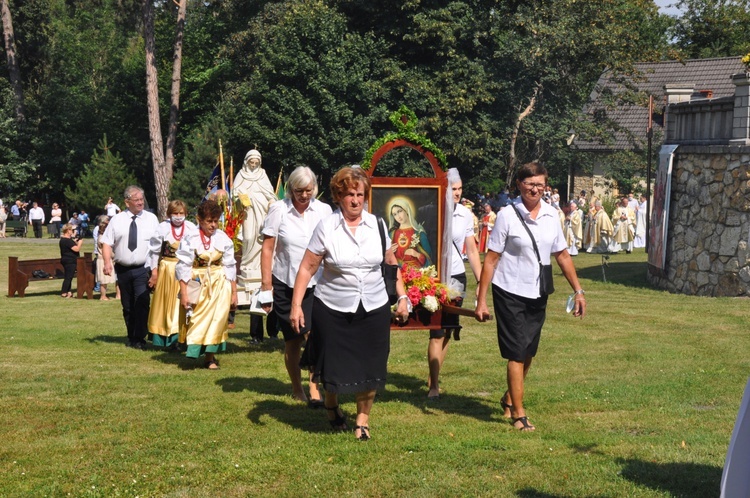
133	235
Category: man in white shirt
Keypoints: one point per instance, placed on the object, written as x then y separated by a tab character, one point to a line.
111	208
125	248
36	219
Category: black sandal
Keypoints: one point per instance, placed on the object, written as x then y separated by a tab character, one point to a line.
315	403
505	405
338	423
363	436
525	425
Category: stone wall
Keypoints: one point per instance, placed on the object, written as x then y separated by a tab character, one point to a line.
709	223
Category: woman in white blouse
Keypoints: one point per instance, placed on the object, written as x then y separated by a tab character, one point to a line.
520	307
206	260
286	232
56	218
351	314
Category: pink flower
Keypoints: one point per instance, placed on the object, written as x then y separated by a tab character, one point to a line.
414	295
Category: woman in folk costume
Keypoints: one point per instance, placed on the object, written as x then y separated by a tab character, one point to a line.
206	264
623	219
164	316
486	224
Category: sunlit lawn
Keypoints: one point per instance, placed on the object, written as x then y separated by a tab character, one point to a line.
638	399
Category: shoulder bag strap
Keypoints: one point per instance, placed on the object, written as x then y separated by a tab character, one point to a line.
533	241
382	234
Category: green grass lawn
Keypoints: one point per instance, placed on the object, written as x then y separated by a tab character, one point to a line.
638	399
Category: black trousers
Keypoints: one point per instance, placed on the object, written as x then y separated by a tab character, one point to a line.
37	224
70	271
136	300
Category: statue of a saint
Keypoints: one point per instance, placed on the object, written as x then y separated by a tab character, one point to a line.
253	182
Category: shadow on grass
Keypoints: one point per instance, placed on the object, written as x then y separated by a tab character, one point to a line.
297	415
406	390
412	390
111	339
677	479
623	273
533	493
259	385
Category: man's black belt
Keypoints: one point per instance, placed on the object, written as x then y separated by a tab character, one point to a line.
128	267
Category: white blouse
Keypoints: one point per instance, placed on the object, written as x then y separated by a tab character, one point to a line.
351	263
192	245
462	227
164	232
517	271
292	231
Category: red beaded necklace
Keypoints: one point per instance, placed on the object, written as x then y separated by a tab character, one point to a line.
205	240
174	234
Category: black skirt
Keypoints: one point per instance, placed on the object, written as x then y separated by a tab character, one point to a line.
349	351
519	323
282	305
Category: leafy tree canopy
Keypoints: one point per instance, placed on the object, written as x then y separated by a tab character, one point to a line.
105	176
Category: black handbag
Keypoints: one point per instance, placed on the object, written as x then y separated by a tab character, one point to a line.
390	272
546	285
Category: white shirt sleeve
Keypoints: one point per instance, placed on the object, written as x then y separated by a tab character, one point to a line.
185	256
273	219
227	249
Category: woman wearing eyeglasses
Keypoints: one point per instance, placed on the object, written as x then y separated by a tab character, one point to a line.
520	304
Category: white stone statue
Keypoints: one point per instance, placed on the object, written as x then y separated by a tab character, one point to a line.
253	182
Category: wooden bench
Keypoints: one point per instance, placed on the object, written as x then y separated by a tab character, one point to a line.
19	227
20	274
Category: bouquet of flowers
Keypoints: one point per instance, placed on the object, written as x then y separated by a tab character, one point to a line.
234	216
423	288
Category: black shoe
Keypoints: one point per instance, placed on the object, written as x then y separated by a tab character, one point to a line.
140	345
255	340
315	403
339	422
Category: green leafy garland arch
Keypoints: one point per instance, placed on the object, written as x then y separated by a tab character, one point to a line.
405	121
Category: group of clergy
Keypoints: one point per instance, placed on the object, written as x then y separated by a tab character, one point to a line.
597	232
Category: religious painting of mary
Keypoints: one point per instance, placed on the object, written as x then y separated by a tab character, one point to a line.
410	242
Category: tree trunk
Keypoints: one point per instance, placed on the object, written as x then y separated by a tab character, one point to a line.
161	180
14	72
512	159
174	109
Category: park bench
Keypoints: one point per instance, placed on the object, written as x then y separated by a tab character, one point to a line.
20	273
19	227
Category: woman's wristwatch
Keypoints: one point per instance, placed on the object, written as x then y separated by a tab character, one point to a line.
579	291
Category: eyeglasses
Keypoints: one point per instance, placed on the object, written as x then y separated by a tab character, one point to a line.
531	186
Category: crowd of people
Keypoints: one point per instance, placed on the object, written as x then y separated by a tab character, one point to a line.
586	226
322	277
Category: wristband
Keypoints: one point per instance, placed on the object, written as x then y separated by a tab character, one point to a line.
408	302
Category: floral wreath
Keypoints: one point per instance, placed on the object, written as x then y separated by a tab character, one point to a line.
405	121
